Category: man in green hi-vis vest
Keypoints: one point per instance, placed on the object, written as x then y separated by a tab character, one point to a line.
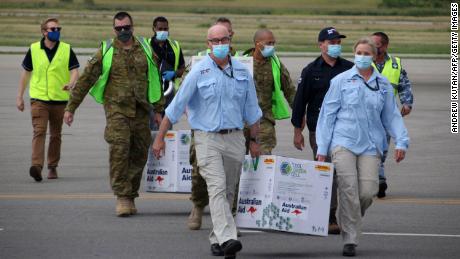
51	69
123	75
390	67
170	56
273	86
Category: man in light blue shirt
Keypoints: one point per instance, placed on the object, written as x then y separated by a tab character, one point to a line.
219	96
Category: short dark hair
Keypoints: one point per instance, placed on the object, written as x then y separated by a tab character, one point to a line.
159	19
384	36
121	16
223	20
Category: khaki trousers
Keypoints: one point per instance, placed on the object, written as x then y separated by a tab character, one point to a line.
43	113
220	157
358	183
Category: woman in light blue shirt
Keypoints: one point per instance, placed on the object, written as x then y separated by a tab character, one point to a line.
356	113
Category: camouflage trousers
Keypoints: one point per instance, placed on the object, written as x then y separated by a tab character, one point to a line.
199	196
129	140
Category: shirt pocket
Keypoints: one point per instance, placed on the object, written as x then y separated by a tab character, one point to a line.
207	88
350	96
239	89
318	81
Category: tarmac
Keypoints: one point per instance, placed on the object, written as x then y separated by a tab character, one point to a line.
74	216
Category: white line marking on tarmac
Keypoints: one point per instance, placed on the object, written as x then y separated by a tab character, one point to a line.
408	234
1	229
379	234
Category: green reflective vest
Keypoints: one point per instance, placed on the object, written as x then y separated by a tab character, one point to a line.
176	49
392	71
154	87
280	109
48	78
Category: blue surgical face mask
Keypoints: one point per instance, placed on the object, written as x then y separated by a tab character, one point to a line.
268	51
54	35
363	62
334	51
220	51
161	35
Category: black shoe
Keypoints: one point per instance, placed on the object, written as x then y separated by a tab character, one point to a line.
216	250
36	173
382	188
231	247
349	250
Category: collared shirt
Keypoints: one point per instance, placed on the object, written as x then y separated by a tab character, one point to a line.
355	117
216	98
312	87
27	62
404	87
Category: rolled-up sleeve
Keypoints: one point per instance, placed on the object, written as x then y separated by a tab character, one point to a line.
252	112
393	121
327	118
177	107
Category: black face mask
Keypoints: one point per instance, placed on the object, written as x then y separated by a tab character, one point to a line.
125	36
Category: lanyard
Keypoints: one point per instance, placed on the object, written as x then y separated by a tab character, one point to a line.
372	88
231	69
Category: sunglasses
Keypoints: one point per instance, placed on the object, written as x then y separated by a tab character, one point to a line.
124	28
55	28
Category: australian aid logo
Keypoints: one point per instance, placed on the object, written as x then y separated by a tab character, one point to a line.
292	169
248	206
157	176
294	210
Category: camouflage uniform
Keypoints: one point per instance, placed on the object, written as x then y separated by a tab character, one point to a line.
265	85
127	113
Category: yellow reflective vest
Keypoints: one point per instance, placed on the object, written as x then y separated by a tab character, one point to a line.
392	71
48	78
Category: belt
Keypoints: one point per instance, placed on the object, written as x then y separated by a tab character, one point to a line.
223	131
227	131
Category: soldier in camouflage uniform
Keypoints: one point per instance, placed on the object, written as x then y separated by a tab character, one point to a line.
126	103
263	53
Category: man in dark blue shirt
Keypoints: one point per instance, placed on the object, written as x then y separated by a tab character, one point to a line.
313	86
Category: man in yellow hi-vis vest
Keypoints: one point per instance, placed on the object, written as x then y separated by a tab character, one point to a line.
169	53
52	68
123	75
390	67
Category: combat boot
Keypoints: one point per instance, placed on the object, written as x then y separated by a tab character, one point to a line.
194	220
133	206
123	207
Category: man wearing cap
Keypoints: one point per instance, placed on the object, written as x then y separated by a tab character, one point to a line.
312	87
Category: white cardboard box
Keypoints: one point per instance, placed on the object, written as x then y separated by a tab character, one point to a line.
172	172
285	194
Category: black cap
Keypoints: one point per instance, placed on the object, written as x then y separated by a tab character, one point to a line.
329	33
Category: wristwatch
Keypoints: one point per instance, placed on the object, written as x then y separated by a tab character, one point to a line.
254	139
